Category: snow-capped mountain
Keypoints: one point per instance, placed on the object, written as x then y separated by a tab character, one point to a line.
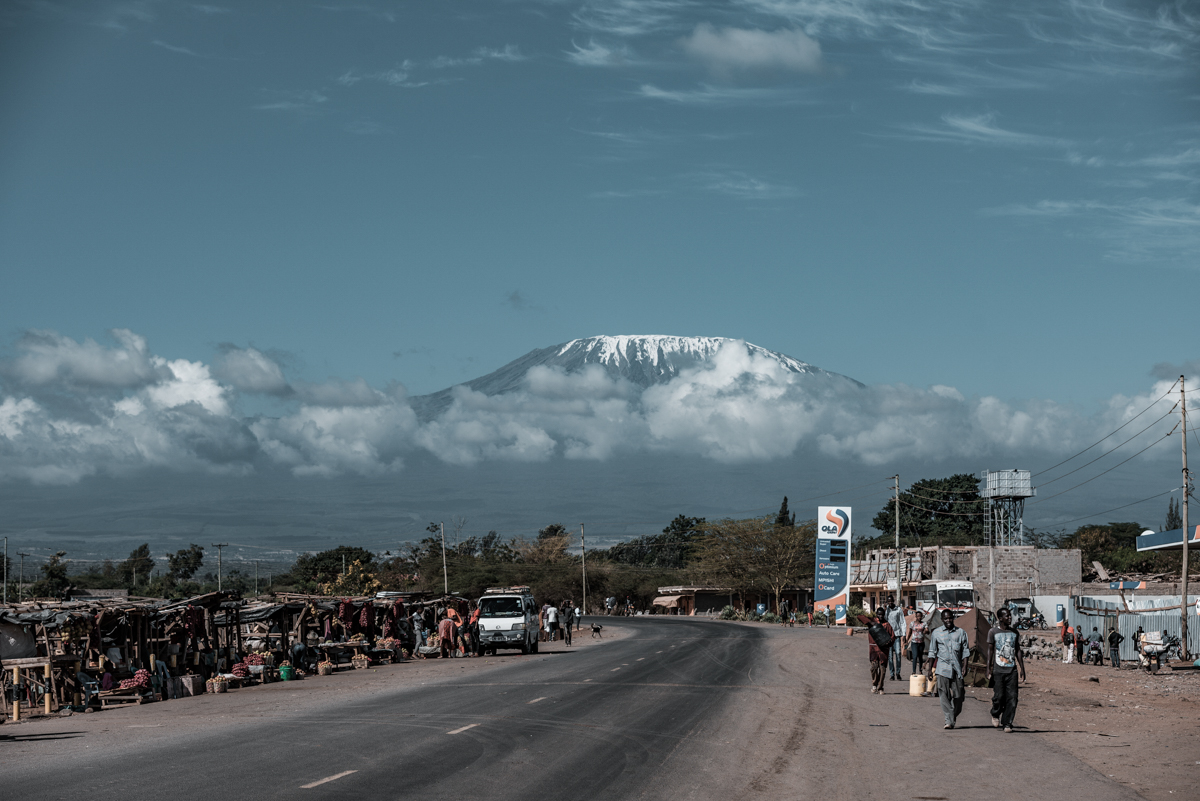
641	360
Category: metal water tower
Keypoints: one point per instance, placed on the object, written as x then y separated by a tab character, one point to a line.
1006	491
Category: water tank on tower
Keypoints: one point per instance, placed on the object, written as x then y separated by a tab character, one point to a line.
1006	491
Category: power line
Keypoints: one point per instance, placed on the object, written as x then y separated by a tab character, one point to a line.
1106	453
1106	436
1109	470
1117	508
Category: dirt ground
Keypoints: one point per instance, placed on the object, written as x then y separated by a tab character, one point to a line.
1140	730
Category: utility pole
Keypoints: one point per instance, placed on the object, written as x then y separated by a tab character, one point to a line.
1187	486
445	575
897	479
219	546
256	577
343	563
583	544
21	580
6	570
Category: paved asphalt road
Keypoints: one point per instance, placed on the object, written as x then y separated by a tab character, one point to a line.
680	708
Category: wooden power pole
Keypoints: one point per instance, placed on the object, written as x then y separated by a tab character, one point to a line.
1187	486
897	478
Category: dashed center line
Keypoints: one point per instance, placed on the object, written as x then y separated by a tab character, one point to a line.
535	700
613	670
641	658
464	728
327	779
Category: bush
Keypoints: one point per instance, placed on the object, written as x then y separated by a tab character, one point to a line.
729	613
771	617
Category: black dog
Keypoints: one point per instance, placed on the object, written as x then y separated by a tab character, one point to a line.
596	629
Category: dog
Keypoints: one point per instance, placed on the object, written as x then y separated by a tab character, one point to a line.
596	630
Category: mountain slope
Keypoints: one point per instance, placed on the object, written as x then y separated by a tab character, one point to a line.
642	360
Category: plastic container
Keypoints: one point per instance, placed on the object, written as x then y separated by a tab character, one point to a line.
916	684
287	673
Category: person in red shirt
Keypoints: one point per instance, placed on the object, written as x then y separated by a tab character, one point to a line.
877	655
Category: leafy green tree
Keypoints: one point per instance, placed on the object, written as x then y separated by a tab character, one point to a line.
184	563
137	568
934	511
552	531
312	570
671	549
54	578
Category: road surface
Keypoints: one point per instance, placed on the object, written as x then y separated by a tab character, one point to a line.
679	708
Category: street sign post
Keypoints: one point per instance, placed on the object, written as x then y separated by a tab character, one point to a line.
833	561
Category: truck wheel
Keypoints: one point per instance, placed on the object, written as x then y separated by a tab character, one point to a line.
525	647
535	646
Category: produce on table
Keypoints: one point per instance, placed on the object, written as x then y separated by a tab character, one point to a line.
140	681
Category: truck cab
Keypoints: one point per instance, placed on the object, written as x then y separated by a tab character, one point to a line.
508	618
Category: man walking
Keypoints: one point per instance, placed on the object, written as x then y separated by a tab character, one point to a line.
552	623
877	653
895	618
1068	643
1115	638
948	653
1004	661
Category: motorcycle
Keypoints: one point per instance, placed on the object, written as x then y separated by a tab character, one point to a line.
1037	621
1095	653
1154	649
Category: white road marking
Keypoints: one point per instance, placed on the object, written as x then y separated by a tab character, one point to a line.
641	659
587	679
535	700
614	669
464	728
327	779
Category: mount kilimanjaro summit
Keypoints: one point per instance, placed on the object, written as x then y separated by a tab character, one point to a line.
643	361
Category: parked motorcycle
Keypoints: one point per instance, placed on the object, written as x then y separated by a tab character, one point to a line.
1095	653
1037	621
1155	648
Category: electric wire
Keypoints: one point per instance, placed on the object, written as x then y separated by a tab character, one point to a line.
1117	508
1106	436
1106	453
1109	470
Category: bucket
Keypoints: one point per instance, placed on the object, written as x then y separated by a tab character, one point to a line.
287	673
916	684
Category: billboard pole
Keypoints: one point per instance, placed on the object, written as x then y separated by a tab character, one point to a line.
1183	597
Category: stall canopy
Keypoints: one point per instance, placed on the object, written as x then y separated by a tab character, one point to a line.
1167	540
668	601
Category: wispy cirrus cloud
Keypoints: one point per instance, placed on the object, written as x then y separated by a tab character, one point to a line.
304	101
1166	230
979	129
174	48
716	95
745	187
594	54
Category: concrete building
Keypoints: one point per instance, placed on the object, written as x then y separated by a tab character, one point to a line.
998	573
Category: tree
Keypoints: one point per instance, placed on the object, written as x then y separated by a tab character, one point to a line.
782	519
184	563
934	511
137	568
783	554
671	549
357	580
311	570
553	530
54	578
1174	518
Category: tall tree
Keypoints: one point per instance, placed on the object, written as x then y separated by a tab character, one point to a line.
137	568
935	511
1174	517
783	519
184	563
54	578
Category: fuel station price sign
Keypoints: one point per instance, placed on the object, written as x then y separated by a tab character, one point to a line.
832	580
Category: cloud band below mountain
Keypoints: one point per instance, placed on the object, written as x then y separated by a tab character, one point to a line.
71	409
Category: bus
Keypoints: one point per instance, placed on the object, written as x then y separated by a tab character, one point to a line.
957	596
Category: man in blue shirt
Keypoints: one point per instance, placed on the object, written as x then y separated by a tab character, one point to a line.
1004	662
948	654
895	618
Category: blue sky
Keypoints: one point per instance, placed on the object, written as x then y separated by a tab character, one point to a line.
999	198
362	201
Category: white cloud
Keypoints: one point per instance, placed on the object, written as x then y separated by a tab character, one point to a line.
60	424
728	49
594	54
714	95
980	129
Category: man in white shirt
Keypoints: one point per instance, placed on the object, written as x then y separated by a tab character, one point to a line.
895	618
552	623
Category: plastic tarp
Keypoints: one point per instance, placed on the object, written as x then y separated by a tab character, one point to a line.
668	601
16	642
